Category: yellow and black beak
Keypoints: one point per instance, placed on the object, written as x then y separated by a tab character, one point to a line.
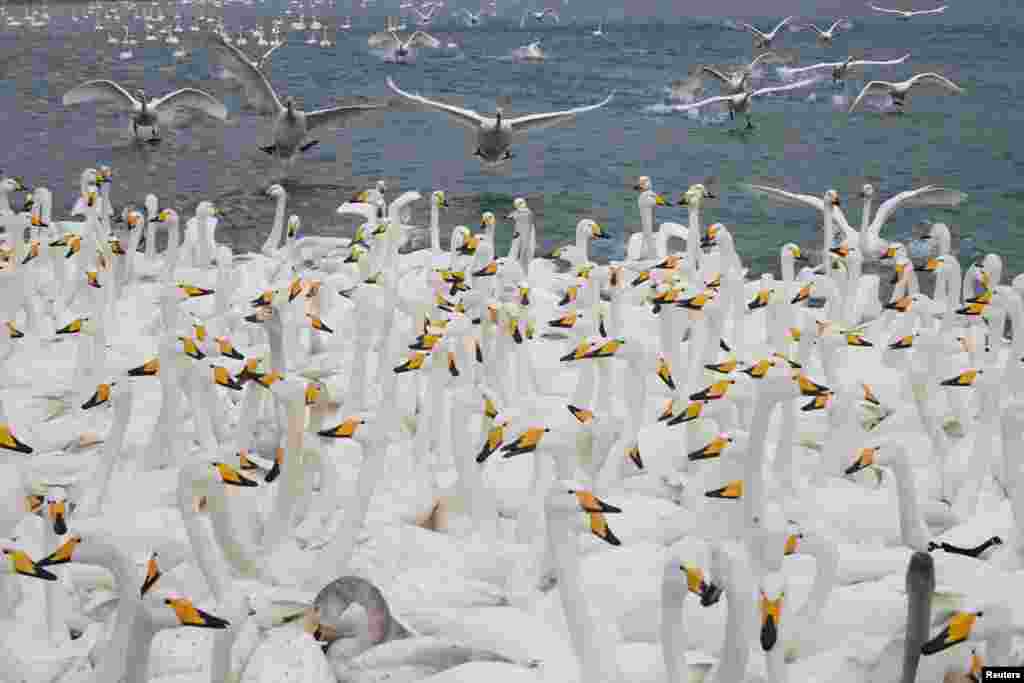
232	477
453	369
964	379
344	430
633	453
56	510
191	349
664	372
591	503
929	267
517	336
222	377
275	471
956	631
425	342
724	367
792	544
810	388
599	527
9	442
227	349
760	300
819	402
771	612
902	304
415	362
660	201
696	583
582	415
62	555
889	253
318	324
803	295
153	575
495	438
312	394
712	449
857	340
865	458
972	309
488	270
73	327
188	615
23	565
731	491
904	342
578	353
147	369
99	397
263	299
192	291
643	277
295	289
692	412
713	392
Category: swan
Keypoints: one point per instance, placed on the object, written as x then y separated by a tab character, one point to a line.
930	195
495	136
291	125
825	36
145	112
840	70
907	14
740	102
470	18
531	52
764	40
540	16
578	253
829	205
736	81
401	49
898	91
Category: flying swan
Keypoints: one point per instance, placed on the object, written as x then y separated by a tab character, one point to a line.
841	70
494	136
735	82
764	40
291	125
906	14
145	113
740	102
898	91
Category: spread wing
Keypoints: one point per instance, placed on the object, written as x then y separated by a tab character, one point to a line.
266	55
702	103
784	197
929	195
815	67
545	120
385	40
101	91
465	117
336	115
872	87
883	9
781	24
190	98
757	59
751	29
835	24
257	88
782	88
936	79
888	62
421	39
712	71
937	10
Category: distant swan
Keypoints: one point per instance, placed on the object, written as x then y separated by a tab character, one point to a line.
906	14
898	91
764	40
840	70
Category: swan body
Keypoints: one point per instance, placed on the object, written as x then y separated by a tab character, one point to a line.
898	91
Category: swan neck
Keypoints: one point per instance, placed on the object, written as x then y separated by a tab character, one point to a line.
912	528
673	631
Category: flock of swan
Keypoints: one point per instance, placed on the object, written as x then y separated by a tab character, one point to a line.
338	460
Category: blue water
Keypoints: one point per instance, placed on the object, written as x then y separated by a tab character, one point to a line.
585	169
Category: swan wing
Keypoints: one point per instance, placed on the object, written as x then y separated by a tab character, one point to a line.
465	117
871	87
421	39
929	195
702	103
257	88
757	59
335	115
937	10
835	24
815	67
886	62
383	41
937	79
190	98
266	55
552	118
101	91
751	29
785	197
883	9
781	24
712	71
522	22
782	88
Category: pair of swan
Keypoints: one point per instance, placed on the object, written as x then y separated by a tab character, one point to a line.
145	113
496	135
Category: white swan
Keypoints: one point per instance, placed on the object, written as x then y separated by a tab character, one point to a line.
930	195
907	14
495	136
840	70
740	102
291	125
898	91
146	113
764	40
400	49
736	81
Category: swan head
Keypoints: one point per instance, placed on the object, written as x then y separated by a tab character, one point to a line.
13	185
832	198
487	220
294	222
710	238
686	577
868	190
440	200
275	191
794	252
771	605
591	229
90	177
56	503
346	429
165	216
957	630
643	184
19	562
519	204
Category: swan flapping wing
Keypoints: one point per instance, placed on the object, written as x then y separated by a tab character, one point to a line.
715	73
552	118
931	78
873	87
190	98
101	91
883	9
785	197
702	103
261	62
757	59
257	88
384	40
781	24
823	66
884	62
421	39
929	195
751	29
782	88
335	115
465	117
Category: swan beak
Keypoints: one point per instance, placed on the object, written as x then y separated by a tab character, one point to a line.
660	201
147	369
9	442
809	388
23	564
230	476
579	353
191	291
957	631
792	544
318	324
190	348
731	491
713	392
73	327
345	430
857	340
188	615
664	372
56	512
227	349
599	233
972	308
222	377
695	582
819	402
865	458
599	527
692	412
61	555
153	574
930	267
964	379
99	397
590	503
799	256
770	612
312	394
902	343
453	369
582	415
415	362
275	471
888	254
295	289
494	440
712	449
633	453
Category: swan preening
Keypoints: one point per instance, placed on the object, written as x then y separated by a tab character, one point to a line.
495	135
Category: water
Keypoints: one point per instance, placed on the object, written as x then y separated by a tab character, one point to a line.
804	142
